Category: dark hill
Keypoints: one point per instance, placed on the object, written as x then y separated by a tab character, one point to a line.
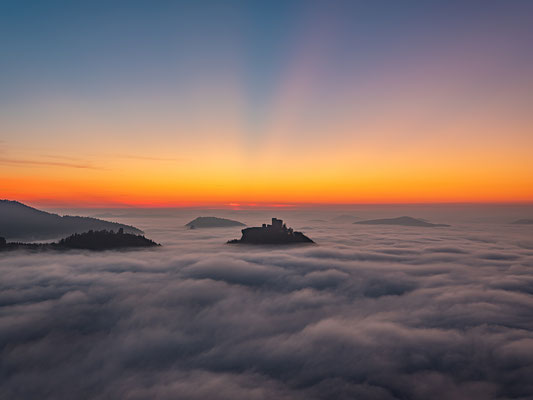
402	221
20	222
277	233
212	222
92	240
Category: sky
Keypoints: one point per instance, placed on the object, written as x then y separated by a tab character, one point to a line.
182	103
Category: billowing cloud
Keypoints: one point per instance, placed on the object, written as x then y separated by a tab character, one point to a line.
369	313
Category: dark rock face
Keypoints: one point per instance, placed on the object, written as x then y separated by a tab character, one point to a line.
402	221
277	233
20	222
92	240
212	222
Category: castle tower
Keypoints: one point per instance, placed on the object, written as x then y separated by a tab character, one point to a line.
277	223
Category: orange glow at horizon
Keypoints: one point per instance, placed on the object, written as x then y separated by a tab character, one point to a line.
341	179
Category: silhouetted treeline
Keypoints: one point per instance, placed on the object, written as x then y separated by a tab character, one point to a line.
92	240
101	240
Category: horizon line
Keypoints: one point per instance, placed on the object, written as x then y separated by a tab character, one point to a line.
263	205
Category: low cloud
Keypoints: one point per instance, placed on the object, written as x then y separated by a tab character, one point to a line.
372	315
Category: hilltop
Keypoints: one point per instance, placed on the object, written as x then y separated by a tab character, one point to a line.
212	222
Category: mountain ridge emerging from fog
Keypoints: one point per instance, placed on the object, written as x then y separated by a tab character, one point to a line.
401	221
21	222
92	240
212	222
523	222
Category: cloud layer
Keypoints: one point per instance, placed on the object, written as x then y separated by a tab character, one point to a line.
369	313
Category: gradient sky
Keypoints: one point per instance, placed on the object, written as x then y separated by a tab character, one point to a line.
158	103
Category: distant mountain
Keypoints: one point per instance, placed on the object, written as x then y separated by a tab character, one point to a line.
523	222
92	240
402	221
345	218
21	222
212	222
277	233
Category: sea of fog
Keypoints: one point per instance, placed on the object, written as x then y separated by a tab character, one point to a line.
370	312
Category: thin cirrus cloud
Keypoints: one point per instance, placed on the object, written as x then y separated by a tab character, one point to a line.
150	158
41	163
